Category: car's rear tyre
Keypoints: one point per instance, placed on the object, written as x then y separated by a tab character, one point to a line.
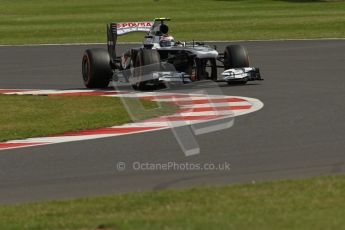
235	56
144	57
96	69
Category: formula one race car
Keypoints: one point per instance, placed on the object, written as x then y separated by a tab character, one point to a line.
161	59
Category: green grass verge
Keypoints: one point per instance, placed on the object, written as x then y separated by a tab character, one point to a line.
64	21
32	116
317	203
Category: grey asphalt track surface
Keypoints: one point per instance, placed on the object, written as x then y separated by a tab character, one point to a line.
300	132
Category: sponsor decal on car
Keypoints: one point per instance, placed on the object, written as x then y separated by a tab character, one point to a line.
134	24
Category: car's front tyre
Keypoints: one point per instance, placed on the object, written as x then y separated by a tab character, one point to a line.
235	56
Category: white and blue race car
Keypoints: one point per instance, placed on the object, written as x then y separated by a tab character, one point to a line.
161	59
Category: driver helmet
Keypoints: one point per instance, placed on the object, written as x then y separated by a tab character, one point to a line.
166	41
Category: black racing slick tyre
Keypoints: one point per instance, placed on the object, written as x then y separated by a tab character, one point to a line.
235	56
144	57
96	68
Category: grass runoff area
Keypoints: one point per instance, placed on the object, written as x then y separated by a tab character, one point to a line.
317	203
65	21
33	116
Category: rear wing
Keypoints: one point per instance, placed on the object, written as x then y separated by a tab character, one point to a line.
115	29
128	27
121	28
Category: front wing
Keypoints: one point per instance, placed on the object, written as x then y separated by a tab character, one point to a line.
241	74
